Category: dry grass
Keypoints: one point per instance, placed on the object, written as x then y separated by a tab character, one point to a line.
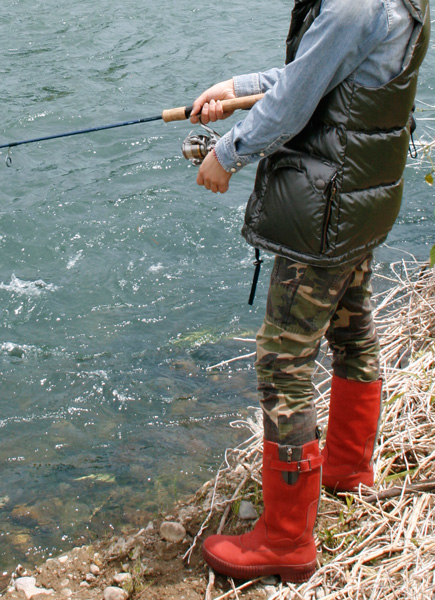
380	542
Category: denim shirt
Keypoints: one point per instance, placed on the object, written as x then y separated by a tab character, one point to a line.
365	39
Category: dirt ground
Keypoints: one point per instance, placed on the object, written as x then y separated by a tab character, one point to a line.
140	563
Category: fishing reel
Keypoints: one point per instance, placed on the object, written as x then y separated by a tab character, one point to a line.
196	146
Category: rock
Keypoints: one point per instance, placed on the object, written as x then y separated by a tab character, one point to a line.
270	590
187	514
28	586
247	511
49	572
22	540
123	579
4	501
26	515
271	580
66	593
63	559
81	554
94	569
150	526
97	559
217	500
90	578
117	548
115	593
172	532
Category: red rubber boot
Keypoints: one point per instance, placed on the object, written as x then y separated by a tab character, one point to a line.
282	541
354	414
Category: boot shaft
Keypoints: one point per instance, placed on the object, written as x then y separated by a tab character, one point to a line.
290	510
354	416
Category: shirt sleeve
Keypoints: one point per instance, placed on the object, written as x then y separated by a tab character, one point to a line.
341	37
256	83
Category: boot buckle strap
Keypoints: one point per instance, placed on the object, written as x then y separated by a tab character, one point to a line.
301	466
304	466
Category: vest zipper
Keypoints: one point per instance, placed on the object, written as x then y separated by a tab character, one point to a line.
328	210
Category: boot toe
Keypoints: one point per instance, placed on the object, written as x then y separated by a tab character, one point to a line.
232	556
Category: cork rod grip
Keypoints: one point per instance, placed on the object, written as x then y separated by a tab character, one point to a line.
183	112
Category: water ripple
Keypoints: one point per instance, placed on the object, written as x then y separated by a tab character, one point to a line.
27	288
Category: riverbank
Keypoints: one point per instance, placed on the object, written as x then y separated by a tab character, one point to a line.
379	543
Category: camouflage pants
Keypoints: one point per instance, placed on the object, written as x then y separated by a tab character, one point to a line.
304	304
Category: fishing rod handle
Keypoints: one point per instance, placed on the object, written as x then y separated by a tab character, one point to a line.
183	112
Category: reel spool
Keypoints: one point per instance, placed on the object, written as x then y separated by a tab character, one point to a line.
196	146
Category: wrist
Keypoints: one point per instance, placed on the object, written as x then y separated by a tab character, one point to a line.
227	158
214	153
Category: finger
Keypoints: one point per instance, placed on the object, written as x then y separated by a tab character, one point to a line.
206	182
197	107
205	113
219	110
224	188
196	110
212	111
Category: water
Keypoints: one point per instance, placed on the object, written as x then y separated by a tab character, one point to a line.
121	281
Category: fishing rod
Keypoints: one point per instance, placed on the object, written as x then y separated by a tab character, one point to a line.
200	143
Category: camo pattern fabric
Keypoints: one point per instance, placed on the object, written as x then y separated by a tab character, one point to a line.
304	304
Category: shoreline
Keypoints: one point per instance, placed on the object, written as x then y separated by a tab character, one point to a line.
380	541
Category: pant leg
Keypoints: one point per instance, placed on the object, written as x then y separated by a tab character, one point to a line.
302	300
352	335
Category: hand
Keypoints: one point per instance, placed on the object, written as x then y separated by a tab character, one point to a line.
209	105
212	175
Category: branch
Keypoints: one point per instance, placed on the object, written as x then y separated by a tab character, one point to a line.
426	486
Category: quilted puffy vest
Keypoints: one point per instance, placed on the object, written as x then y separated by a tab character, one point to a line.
334	191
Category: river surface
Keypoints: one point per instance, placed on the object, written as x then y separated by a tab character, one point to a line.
122	281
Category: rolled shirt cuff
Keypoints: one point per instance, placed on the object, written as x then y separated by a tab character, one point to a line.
247	85
244	85
228	157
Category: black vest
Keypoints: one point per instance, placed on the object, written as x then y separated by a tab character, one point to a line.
334	191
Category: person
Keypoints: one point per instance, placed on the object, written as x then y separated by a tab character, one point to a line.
331	134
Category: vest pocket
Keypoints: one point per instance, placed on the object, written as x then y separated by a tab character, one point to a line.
294	204
330	203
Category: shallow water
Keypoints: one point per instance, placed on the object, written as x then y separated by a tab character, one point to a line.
121	281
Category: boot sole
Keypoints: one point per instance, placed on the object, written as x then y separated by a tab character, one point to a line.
291	573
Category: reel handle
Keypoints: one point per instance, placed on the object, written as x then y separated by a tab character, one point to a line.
183	112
